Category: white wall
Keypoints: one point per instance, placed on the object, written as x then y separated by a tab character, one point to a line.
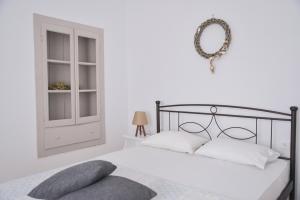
18	152
149	55
261	68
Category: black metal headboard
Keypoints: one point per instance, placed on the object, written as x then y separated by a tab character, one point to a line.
291	117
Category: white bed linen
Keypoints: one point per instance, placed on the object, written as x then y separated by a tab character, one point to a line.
232	180
177	172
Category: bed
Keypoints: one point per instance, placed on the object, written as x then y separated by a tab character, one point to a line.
178	176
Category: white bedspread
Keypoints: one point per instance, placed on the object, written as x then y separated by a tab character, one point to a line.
179	176
166	190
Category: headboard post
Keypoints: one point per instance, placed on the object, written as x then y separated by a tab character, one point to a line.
293	148
157	116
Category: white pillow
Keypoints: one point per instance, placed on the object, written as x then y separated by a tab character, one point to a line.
175	141
239	152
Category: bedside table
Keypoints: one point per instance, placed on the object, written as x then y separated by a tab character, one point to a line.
132	141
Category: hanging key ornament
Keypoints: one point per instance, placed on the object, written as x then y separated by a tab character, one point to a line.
222	50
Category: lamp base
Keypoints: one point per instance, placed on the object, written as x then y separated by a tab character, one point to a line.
140	130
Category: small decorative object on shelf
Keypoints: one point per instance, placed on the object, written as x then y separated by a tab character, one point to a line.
140	120
59	86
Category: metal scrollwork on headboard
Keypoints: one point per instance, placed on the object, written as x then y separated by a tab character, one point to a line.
213	111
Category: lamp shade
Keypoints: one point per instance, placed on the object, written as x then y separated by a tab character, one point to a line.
139	118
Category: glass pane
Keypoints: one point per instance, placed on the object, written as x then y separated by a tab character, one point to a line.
59	76
58	46
86	49
59	106
88	104
87	77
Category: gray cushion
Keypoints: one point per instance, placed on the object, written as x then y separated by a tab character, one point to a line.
112	188
72	179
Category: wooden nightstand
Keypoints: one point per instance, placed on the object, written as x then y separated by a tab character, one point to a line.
132	141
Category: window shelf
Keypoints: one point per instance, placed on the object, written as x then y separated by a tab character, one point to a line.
87	63
87	90
58	61
59	91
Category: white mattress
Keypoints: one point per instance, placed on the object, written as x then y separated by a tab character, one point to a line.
163	169
216	176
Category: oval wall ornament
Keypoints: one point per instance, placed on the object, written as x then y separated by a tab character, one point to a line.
222	50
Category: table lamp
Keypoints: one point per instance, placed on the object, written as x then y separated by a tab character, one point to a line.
140	120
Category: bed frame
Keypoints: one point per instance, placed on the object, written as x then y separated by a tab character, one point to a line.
272	116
